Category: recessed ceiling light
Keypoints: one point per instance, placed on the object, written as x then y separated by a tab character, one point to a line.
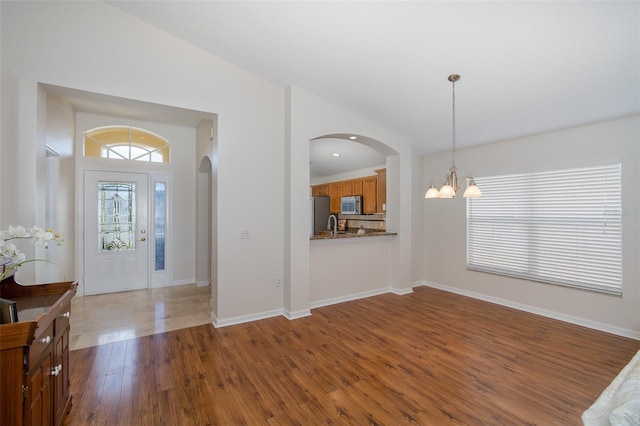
353	138
336	154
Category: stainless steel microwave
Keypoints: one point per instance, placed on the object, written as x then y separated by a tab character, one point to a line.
351	205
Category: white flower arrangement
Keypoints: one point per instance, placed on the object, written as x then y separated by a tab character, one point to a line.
36	235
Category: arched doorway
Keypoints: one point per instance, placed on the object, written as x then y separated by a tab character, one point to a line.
203	223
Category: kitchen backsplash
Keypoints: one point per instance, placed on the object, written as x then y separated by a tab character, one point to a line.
373	222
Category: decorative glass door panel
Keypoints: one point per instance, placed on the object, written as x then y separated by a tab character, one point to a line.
116	216
160	222
116	253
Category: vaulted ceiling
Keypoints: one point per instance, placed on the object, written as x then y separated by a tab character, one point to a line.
526	67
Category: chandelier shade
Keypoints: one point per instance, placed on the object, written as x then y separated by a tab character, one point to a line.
450	187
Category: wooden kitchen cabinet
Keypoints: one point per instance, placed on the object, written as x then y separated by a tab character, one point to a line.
369	195
320	190
351	187
367	187
347	188
382	189
357	187
34	354
335	192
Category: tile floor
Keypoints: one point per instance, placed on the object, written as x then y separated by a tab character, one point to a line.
112	317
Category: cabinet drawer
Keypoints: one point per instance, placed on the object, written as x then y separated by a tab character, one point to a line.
42	341
62	320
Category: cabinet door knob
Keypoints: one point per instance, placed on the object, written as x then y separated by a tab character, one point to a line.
66	314
46	339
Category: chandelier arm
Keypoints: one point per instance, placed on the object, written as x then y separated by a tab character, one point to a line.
469	177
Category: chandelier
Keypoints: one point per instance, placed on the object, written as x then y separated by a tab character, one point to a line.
450	187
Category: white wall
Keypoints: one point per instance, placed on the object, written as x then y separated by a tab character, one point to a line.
60	136
346	268
444	259
308	117
93	47
10	95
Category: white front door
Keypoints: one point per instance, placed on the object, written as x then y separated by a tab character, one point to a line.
116	240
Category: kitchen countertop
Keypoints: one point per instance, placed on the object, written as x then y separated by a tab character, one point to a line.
348	234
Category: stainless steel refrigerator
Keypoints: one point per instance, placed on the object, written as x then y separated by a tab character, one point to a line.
319	208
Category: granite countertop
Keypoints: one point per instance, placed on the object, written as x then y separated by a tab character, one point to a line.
351	234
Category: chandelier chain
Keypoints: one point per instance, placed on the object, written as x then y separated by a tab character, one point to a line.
453	84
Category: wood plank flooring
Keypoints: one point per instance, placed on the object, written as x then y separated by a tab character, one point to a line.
428	358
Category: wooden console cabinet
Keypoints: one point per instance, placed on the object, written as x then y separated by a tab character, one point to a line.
34	354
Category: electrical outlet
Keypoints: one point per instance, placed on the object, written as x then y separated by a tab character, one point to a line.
278	281
245	234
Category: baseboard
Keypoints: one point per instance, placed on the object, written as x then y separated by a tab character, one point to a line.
170	284
186	282
401	291
296	314
356	296
535	310
217	322
180	282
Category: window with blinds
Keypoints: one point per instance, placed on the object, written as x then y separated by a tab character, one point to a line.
561	227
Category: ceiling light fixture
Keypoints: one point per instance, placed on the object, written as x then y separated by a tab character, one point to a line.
336	154
450	187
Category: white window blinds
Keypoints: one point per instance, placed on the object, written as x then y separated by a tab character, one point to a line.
562	227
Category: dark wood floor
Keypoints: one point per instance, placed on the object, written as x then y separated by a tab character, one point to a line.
427	358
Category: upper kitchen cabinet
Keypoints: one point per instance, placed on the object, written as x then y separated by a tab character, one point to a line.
369	195
382	189
335	192
371	188
320	190
347	188
357	187
351	187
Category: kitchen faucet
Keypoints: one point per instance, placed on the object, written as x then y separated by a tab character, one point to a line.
335	225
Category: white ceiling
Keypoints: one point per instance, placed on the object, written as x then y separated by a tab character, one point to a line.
526	67
353	156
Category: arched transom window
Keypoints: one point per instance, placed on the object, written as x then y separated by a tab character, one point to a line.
126	143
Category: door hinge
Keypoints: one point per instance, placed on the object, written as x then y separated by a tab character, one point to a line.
25	390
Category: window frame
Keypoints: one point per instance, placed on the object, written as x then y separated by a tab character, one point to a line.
111	150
